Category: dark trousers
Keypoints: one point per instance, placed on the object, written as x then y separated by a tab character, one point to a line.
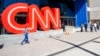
81	29
91	29
64	29
86	29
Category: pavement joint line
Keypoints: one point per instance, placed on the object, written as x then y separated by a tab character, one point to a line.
89	41
74	46
96	41
61	51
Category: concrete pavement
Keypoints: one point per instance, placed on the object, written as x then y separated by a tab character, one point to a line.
55	44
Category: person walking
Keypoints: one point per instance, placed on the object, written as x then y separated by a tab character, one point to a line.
91	27
25	40
63	27
85	26
95	27
98	26
82	26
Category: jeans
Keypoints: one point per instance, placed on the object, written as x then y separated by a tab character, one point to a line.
25	39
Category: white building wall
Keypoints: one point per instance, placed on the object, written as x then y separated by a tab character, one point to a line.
94	9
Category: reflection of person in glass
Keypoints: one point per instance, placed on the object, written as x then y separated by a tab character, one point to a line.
25	40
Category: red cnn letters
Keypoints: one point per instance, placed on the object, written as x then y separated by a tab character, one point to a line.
44	18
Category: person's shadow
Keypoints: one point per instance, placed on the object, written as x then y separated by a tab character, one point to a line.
1	46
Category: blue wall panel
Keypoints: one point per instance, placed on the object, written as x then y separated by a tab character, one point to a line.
21	0
8	2
1	5
61	8
30	1
81	12
37	2
69	13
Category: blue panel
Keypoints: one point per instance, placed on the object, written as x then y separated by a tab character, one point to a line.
43	1
69	12
81	12
1	5
37	2
8	2
30	1
61	8
65	11
21	0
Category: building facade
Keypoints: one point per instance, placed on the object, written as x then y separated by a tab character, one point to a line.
94	10
72	12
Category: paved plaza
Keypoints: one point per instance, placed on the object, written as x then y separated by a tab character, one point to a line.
60	44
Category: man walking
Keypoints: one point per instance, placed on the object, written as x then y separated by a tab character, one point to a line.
25	40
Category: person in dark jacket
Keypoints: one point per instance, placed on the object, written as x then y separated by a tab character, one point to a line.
82	26
85	26
91	27
63	27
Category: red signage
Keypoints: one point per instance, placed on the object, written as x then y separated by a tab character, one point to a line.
45	18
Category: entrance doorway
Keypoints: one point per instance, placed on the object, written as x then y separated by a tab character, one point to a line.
69	21
67	12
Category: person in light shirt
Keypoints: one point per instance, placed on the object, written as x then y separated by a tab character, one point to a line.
95	26
25	40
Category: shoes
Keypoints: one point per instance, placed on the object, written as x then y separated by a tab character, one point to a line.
25	42
21	43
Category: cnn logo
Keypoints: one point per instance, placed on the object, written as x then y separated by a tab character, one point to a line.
45	18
